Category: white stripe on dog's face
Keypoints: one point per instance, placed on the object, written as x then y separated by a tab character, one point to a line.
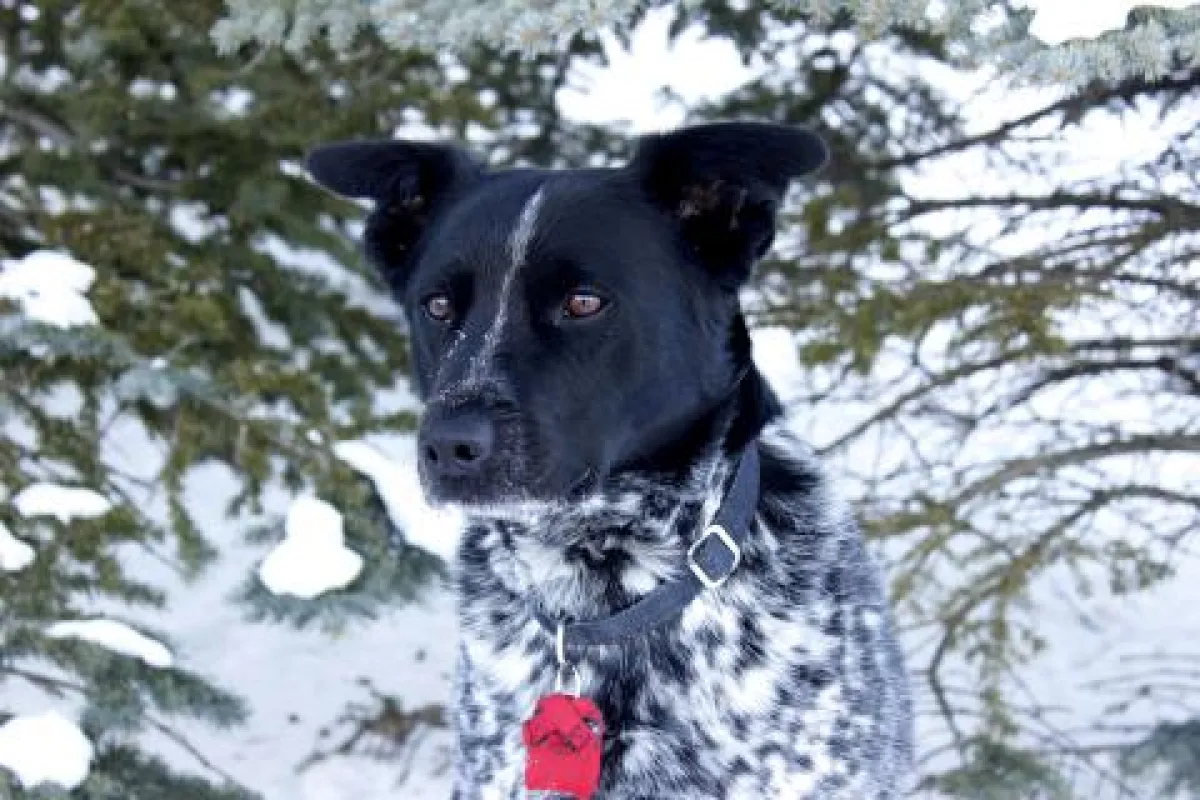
518	253
518	242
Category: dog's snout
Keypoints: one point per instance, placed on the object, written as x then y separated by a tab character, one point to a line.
458	444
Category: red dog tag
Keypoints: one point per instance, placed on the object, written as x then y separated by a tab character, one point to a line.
563	740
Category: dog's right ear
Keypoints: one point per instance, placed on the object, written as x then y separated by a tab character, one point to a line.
408	181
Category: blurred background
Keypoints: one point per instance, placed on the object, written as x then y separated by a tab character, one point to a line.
985	314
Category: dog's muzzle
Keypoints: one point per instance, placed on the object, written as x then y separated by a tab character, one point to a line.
469	447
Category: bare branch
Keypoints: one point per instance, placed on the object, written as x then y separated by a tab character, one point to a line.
1175	442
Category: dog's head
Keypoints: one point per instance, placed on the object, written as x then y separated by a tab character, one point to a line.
567	324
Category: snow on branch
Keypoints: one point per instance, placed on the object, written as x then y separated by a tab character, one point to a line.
45	748
312	558
537	26
434	530
15	555
115	636
64	502
50	288
1038	41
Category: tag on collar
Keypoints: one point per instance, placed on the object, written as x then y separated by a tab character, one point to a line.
564	740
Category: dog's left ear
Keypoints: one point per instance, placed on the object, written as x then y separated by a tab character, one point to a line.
724	183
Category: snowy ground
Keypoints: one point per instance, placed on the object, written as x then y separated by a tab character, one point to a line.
302	682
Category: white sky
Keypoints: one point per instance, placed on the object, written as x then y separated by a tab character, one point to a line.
627	90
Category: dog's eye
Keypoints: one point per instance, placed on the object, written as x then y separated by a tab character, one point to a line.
439	307
583	304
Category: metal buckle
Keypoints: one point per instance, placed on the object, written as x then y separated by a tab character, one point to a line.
727	540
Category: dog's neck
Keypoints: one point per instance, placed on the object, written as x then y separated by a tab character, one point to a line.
595	556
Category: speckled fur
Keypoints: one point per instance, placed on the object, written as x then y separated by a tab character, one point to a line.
786	682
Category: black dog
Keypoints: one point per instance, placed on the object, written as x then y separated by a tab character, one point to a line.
643	530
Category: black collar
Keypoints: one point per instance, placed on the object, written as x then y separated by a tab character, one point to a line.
711	560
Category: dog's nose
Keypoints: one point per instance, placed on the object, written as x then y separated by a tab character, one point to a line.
458	445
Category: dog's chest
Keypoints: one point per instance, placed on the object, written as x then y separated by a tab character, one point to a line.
744	675
784	682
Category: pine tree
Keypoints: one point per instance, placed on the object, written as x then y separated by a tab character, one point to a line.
1155	39
234	321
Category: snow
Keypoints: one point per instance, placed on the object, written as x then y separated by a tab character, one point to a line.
434	530
45	748
627	89
64	502
307	691
49	287
311	559
15	555
1056	22
775	353
116	636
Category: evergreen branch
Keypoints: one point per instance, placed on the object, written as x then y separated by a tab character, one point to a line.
941	380
43	125
193	751
60	134
55	686
1000	582
929	386
1170	442
933	673
1152	47
59	687
1189	291
1054	740
1129	343
1180	213
1072	107
1082	368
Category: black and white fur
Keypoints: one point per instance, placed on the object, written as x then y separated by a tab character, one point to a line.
588	454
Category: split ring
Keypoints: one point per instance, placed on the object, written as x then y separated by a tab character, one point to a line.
564	670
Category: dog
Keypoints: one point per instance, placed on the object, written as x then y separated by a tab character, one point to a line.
644	536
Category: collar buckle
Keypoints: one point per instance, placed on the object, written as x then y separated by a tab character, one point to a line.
710	562
701	573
